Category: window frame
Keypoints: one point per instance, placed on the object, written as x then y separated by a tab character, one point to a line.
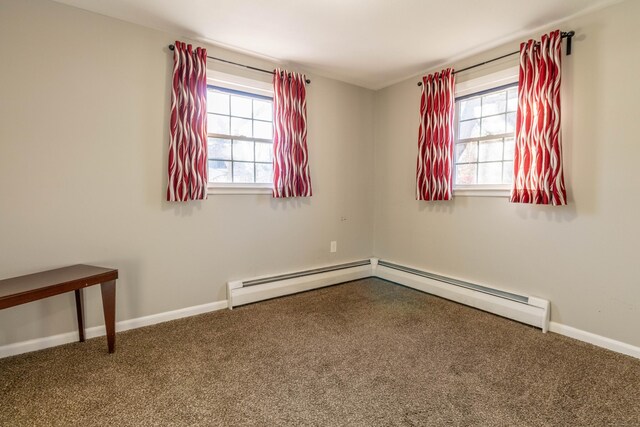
244	86
481	85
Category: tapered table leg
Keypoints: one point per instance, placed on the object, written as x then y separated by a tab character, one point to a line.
109	306
80	312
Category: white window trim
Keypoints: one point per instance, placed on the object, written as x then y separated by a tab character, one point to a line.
243	84
480	190
226	189
490	81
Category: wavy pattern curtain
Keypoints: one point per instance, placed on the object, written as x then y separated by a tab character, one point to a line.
291	158
538	176
435	137
188	125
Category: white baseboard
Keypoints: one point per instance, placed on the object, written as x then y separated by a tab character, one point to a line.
97	331
597	340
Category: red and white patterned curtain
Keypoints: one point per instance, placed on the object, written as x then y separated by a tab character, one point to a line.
291	158
435	137
188	125
538	177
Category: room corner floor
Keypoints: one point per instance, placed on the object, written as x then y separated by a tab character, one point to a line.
364	353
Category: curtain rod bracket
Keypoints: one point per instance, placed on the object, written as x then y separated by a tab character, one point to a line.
172	47
569	35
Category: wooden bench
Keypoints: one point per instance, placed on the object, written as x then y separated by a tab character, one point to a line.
32	287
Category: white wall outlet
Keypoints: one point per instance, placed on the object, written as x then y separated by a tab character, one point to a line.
334	246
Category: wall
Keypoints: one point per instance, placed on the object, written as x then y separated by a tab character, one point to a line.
582	257
83	148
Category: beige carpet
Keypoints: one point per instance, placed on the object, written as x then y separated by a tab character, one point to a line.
365	353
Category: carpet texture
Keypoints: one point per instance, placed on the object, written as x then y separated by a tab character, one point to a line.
364	353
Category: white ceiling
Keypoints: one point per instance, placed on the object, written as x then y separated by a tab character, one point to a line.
370	43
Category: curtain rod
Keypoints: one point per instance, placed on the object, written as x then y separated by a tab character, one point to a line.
172	47
568	35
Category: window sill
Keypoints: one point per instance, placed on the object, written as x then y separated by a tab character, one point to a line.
482	191
215	189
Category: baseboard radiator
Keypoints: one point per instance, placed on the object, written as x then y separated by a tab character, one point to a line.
526	309
242	292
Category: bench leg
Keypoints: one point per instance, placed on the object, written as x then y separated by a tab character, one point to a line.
80	312
109	306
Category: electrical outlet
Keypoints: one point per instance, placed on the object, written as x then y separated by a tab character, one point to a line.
334	246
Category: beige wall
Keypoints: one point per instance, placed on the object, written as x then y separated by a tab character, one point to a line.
582	257
84	102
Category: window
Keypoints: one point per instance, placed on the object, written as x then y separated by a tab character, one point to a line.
240	137
484	137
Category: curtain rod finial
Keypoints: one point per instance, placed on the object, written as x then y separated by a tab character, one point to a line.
171	47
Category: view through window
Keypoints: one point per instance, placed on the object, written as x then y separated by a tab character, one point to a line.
240	136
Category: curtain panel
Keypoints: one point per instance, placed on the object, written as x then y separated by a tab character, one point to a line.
291	176
188	125
435	137
538	176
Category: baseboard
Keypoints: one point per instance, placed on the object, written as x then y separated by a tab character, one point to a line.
97	331
597	340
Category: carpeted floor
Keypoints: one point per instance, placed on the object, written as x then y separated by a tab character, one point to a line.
365	353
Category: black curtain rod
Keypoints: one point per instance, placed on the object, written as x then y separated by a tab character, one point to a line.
172	47
568	35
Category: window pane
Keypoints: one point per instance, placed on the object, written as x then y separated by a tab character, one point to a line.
512	99
509	148
243	172
511	122
466	174
218	124
264	172
490	173
467	152
262	130
490	150
217	102
493	125
219	148
494	103
241	127
241	106
219	171
469	129
243	150
262	110
264	152
469	108
507	173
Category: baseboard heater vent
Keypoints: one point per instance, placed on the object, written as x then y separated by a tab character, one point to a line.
526	309
242	292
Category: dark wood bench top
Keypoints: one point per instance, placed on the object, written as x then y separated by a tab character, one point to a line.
19	290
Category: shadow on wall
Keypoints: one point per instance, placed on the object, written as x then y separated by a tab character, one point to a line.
289	203
439	206
580	144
